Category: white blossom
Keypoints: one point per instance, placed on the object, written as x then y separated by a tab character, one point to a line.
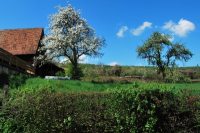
69	36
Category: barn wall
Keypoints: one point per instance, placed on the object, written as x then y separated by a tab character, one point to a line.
7	70
48	69
27	58
10	64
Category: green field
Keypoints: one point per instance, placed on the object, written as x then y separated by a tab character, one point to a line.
82	86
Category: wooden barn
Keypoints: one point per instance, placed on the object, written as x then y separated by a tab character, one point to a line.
10	63
23	44
51	71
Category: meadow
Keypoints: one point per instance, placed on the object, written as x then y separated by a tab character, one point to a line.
86	86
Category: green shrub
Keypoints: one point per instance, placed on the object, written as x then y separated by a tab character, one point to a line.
175	76
74	73
122	111
162	112
114	71
60	73
16	80
154	111
46	111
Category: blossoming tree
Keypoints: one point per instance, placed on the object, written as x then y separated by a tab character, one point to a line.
70	37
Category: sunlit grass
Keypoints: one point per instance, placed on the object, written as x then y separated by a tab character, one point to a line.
82	86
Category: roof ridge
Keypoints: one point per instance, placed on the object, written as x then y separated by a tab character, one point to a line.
21	29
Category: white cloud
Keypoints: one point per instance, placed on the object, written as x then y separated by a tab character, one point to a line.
63	60
83	59
121	31
141	28
114	63
182	28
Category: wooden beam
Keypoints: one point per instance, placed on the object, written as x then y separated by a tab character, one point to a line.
12	60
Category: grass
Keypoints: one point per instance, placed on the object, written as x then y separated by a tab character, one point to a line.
82	86
68	85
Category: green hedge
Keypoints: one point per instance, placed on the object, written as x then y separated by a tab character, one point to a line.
122	111
13	80
16	80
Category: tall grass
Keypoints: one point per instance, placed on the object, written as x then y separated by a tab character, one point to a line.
82	86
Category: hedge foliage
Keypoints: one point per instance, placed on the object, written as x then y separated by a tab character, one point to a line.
121	111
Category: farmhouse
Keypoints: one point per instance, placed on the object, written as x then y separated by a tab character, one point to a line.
18	48
22	43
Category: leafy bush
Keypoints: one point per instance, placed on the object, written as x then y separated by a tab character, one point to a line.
114	71
60	73
46	111
153	111
175	76
125	110
74	73
16	80
108	79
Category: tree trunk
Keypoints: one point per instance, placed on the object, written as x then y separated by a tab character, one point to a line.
163	75
161	70
76	72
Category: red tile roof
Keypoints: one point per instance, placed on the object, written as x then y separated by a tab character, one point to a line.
21	41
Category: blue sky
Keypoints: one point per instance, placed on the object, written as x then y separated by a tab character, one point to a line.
125	24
